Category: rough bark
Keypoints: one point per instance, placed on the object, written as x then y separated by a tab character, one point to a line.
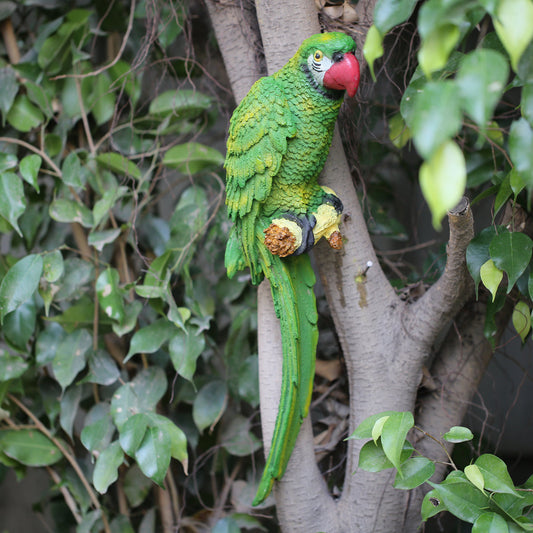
385	340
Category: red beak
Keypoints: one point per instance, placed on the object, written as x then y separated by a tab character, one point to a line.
344	75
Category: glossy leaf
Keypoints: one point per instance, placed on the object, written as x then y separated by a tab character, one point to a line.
184	348
96	436
458	434
102	368
511	252
71	356
443	180
106	467
478	254
181	104
414	472
70	401
99	239
20	283
19	325
29	447
29	169
474	475
23	115
491	276
12	201
495	474
11	366
53	266
373	48
150	338
372	458
132	432
481	79
436	48
192	157
364	429
431	505
378	428
153	455
237	438
209	404
521	319
64	210
136	486
393	435
490	523
109	294
521	148
513	26
119	164
390	13
10	87
436	116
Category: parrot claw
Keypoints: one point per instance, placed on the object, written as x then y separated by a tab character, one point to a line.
280	240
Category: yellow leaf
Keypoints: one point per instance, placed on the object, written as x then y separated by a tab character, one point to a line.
491	276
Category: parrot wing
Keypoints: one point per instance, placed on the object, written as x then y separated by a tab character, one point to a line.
258	134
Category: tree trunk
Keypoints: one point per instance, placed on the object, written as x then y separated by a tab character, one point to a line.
385	340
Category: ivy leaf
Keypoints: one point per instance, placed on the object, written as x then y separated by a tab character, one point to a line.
20	283
29	169
522	319
29	447
106	467
513	26
436	116
443	180
12	201
481	79
511	252
491	276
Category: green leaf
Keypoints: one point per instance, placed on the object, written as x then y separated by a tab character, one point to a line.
490	523
184	348
11	366
209	404
181	104
96	436
372	458
458	434
53	266
106	468
522	319
462	499
373	48
99	239
237	438
399	133
12	201
513	26
474	475
443	180
521	148
495	474
153	455
393	435
136	486
7	161
119	164
390	13
109	294
436	47
431	505
10	87
140	395
150	338
477	253
23	115
364	429
132	432
192	157
178	440
29	169
378	428
414	472
491	276
64	210
511	252
71	171
20	283
104	99
19	325
481	79
69	403
71	356
29	447
102	368
526	103
436	116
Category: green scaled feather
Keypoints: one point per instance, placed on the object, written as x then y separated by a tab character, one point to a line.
291	281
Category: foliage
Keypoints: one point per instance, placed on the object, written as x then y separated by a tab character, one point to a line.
482	493
115	364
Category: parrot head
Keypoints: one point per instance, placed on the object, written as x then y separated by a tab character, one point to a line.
328	60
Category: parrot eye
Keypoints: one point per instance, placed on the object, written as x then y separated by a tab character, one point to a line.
318	55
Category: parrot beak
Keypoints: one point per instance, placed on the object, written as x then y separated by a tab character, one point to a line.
343	74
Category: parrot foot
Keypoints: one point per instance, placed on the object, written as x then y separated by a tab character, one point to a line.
335	240
280	240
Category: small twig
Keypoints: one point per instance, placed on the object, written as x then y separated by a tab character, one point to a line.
10	41
68	456
69	500
165	510
37	151
452	464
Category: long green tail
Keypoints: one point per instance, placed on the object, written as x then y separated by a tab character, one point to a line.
291	281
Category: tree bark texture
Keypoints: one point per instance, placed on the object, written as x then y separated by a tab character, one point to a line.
385	340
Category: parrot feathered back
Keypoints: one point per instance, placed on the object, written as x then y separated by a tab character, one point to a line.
278	142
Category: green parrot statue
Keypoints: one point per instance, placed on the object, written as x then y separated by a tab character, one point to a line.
279	139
